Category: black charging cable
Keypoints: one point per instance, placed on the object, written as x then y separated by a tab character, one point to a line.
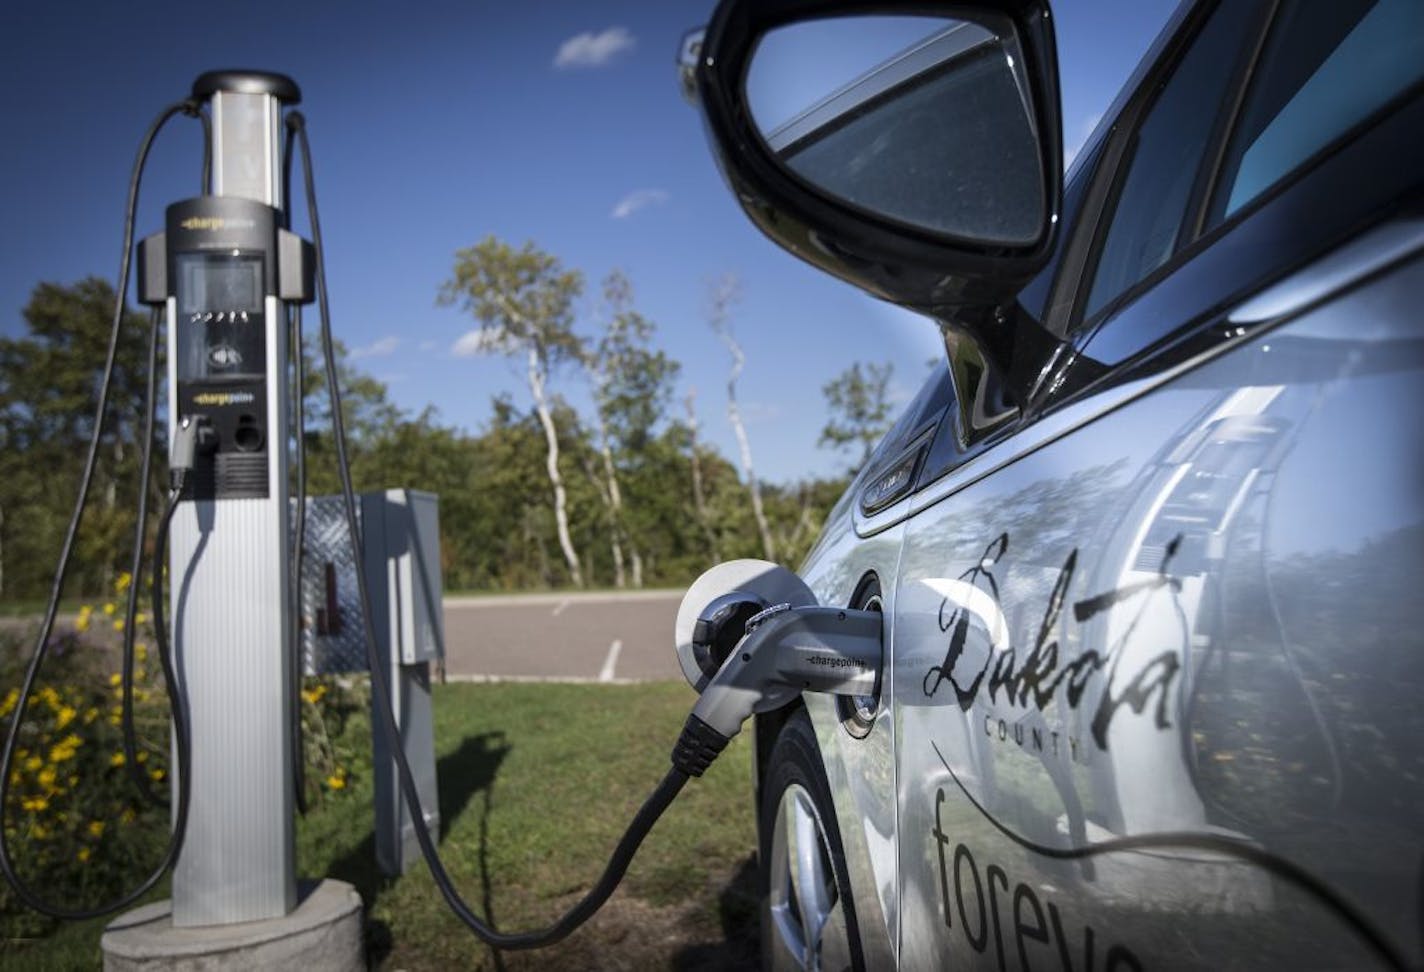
689	758
126	667
176	702
299	533
296	668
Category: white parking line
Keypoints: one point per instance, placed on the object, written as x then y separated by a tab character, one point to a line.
605	674
558	610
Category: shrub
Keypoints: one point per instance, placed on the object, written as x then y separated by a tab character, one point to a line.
79	830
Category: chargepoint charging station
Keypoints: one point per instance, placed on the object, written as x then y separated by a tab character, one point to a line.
223	268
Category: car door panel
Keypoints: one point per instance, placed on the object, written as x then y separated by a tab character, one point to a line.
860	769
1155	682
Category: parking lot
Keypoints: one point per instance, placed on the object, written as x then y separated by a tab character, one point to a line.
598	636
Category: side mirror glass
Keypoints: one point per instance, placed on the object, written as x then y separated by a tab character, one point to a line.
922	122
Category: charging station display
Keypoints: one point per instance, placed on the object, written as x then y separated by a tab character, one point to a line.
220	320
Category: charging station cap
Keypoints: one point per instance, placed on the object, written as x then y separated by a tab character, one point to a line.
279	86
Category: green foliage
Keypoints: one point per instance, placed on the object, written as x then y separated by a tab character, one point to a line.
633	382
48	380
80	831
859	408
522	300
497	512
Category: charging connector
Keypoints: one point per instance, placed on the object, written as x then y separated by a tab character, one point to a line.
786	651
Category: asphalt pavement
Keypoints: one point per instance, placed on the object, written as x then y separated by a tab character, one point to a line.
614	636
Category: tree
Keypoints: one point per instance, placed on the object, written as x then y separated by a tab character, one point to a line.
631	387
523	302
699	493
725	293
859	409
48	382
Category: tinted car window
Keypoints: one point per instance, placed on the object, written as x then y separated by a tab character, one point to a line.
1326	67
1151	209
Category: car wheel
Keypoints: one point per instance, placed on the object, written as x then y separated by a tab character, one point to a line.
808	921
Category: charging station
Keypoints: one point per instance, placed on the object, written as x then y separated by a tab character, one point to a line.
222	268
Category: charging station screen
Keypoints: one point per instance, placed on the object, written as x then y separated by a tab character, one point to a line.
221	328
222	284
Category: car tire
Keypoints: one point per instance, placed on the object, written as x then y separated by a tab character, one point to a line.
807	917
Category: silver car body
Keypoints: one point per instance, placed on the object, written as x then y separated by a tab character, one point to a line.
1177	624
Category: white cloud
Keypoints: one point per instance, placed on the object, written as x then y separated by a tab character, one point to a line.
379	349
590	50
477	342
639	199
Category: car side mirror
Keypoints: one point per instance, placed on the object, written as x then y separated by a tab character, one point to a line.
915	152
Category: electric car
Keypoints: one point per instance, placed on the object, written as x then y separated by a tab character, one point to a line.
1149	544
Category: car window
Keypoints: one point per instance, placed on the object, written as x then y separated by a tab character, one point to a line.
1166	154
1325	68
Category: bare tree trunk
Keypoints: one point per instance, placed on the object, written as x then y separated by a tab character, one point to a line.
723	295
699	498
615	547
2	551
615	512
551	439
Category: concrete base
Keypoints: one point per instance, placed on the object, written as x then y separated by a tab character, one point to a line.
323	934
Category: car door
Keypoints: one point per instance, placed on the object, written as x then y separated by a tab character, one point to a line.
1155	655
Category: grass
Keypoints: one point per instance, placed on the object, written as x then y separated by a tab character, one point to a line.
537	783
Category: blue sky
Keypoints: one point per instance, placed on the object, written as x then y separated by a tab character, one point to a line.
436	124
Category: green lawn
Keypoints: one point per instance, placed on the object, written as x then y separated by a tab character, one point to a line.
536	785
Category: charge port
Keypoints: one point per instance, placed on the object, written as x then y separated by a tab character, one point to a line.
248	437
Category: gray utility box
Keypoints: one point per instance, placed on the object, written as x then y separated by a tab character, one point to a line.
400	529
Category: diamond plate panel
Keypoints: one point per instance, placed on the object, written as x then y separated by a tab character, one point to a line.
333	638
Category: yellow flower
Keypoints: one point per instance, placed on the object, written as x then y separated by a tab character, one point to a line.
141	757
34	803
117	759
66	716
115	678
119	624
65	748
140	649
110	608
90	715
122	582
337	780
33	763
96	828
83	854
47	777
157	774
140	618
128	816
81	623
8	705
